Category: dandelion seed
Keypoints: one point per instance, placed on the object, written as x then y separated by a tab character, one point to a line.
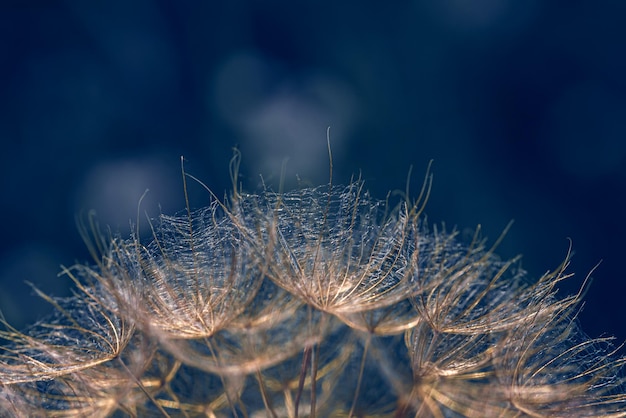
197	275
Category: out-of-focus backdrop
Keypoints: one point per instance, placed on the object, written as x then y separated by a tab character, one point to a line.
521	105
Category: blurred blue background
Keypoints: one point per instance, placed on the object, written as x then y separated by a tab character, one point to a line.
521	104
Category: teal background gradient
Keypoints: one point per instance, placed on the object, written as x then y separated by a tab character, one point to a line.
521	105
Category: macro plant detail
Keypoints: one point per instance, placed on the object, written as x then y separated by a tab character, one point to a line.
316	302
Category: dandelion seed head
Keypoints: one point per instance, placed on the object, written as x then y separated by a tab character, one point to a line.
321	301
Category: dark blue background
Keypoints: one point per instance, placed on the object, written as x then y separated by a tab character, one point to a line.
521	104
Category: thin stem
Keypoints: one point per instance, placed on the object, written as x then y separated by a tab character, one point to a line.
358	385
305	365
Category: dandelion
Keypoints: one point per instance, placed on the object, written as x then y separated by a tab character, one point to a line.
316	302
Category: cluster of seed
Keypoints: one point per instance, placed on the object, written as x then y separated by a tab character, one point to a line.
318	302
